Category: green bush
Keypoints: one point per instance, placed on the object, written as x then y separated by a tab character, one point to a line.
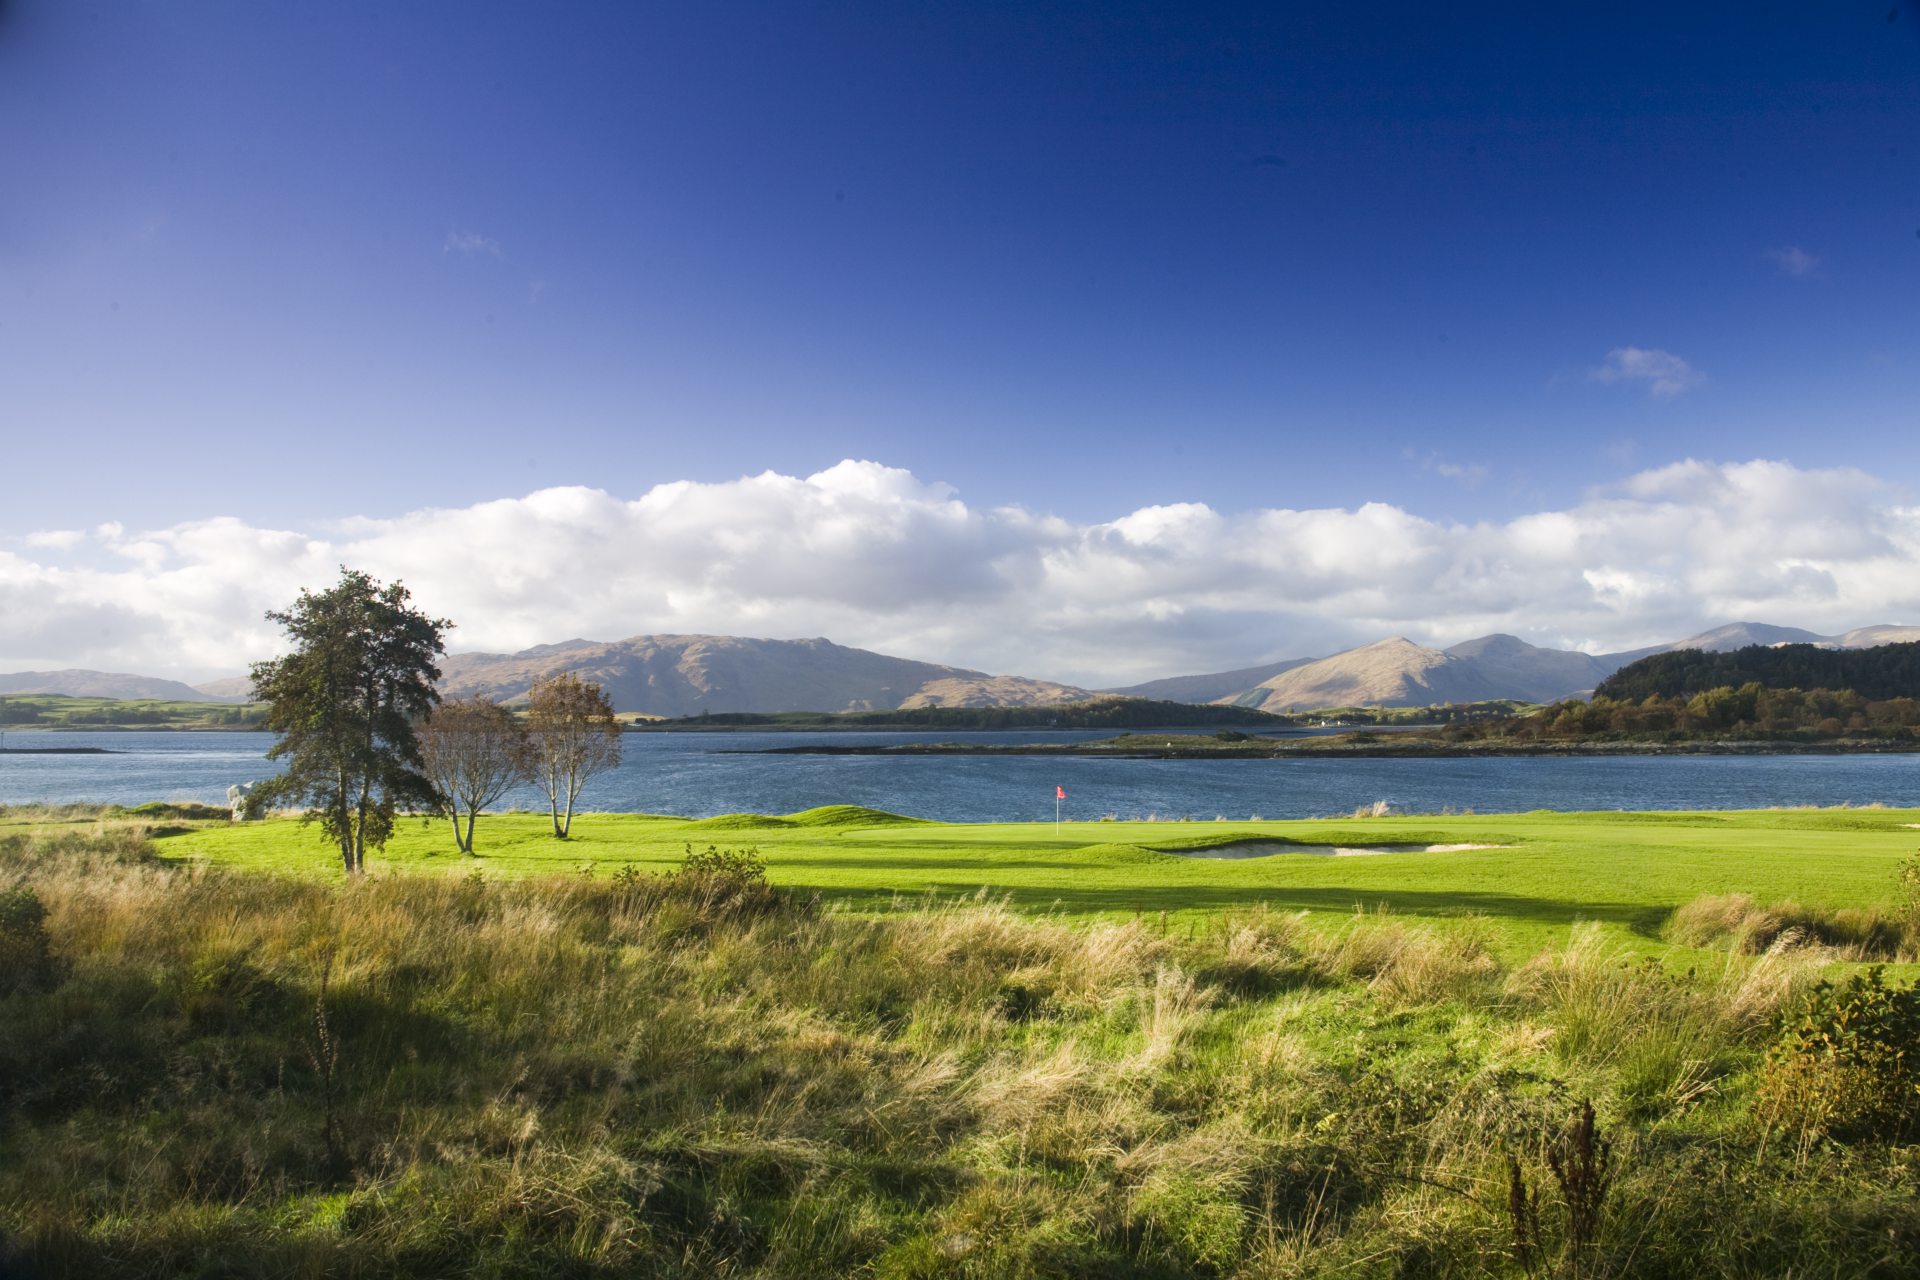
1850	1067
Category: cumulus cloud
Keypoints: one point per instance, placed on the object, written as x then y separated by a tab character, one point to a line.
873	556
470	242
1794	261
1664	373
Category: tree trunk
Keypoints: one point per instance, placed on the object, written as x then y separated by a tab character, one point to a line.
360	828
469	849
346	834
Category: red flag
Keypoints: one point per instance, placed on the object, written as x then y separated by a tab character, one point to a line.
1059	793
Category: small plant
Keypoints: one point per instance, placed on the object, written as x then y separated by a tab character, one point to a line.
323	1051
1908	874
1523	1209
1850	1067
1581	1162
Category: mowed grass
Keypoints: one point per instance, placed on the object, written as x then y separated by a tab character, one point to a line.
1547	871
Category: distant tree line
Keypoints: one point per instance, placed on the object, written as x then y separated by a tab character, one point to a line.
1749	712
1441	713
1882	672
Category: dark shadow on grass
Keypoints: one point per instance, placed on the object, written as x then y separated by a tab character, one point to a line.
1149	899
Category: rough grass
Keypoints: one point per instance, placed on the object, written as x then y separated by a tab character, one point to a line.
1735	920
701	1074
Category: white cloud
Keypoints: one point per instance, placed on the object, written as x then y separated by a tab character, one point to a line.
1664	373
1794	261
57	539
470	242
872	556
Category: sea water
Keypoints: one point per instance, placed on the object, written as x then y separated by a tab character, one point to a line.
701	774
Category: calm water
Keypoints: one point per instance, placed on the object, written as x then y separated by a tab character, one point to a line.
700	774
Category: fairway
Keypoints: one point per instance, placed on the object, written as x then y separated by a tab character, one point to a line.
1544	871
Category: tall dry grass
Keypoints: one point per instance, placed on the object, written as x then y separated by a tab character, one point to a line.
1736	921
695	1076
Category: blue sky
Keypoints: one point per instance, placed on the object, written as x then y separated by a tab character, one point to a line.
306	265
1080	257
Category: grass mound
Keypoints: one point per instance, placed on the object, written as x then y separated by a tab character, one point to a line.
741	822
853	815
1226	839
1114	854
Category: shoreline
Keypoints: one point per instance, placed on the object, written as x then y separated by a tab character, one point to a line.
1353	751
58	751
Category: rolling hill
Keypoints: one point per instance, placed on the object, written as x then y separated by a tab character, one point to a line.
1388	673
686	675
103	684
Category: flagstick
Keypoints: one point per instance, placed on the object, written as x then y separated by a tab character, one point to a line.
1056	815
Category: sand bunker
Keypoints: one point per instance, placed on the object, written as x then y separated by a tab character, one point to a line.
1269	848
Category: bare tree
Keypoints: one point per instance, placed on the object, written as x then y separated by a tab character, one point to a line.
574	736
473	751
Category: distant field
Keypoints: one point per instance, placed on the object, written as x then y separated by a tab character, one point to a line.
1626	871
58	711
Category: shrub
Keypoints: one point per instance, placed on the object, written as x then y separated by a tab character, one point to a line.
1850	1067
26	958
711	885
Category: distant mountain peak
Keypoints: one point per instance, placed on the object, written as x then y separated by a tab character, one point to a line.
1498	642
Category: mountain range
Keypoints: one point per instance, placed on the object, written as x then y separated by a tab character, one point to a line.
674	675
1399	673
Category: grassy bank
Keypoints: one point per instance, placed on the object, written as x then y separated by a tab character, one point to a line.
209	1072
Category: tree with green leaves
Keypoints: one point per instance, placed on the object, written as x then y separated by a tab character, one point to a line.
574	735
345	702
473	750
